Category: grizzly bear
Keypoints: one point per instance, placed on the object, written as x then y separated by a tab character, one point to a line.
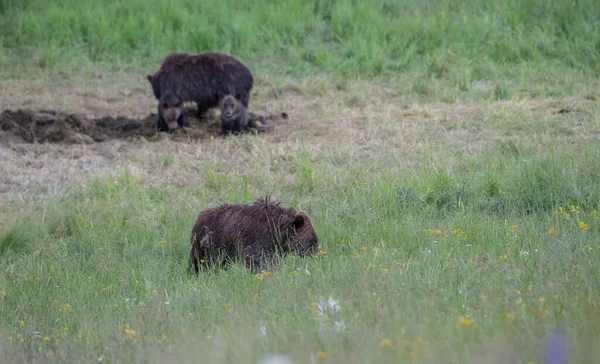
235	118
255	233
199	78
171	114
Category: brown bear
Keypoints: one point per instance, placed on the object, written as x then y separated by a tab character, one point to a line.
200	78
255	233
171	114
235	118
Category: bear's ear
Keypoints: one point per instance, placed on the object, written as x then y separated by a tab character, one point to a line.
238	97
299	221
149	77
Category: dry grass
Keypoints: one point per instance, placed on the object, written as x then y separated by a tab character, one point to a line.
359	122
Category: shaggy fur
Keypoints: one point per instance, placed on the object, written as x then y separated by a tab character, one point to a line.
255	233
235	118
199	78
171	114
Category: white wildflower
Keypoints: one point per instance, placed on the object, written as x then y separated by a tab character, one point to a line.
276	359
339	326
306	271
263	330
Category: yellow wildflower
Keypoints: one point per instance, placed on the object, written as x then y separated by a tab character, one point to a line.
65	307
552	231
504	257
588	247
562	212
429	190
356	256
421	341
162	242
22	322
322	354
541	299
583	226
258	276
511	316
386	343
466	321
519	301
46	338
458	232
129	332
435	232
3	293
544	313
363	247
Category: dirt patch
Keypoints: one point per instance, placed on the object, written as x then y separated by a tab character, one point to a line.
49	126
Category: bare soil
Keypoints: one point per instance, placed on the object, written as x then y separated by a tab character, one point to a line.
49	126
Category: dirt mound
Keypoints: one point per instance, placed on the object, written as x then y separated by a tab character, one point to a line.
48	126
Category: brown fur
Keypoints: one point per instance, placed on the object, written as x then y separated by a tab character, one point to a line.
255	233
171	114
235	118
199	78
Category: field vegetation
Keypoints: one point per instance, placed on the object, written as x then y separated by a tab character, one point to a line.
447	153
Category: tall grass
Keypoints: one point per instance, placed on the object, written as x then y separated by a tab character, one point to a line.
425	264
459	41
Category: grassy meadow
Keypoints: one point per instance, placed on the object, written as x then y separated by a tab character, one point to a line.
447	152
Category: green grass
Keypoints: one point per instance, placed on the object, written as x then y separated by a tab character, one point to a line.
450	233
475	48
408	253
